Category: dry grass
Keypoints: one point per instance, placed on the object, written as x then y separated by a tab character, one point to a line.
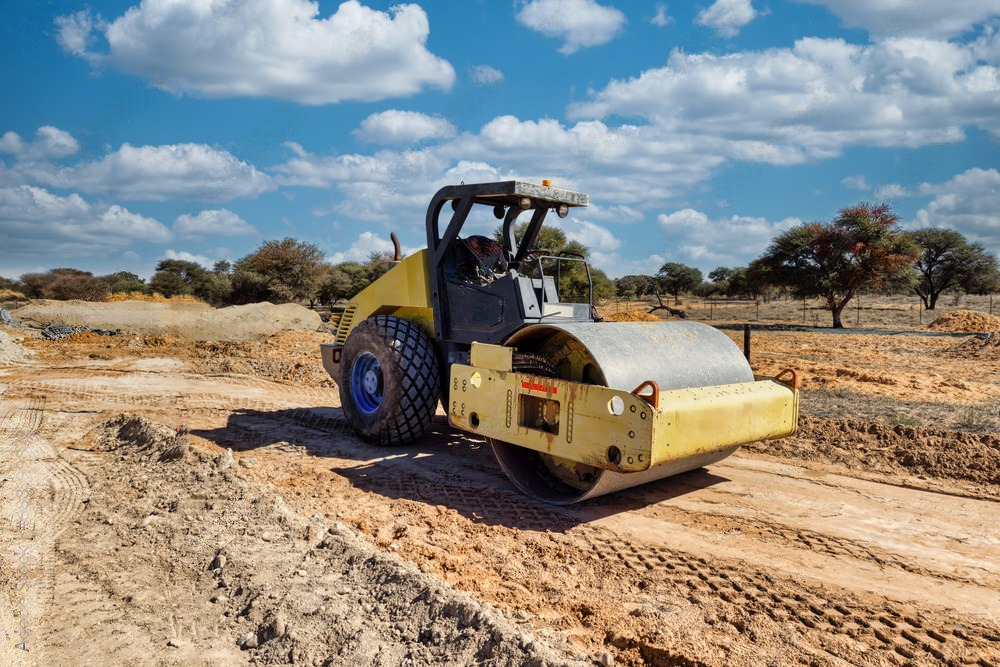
155	297
875	312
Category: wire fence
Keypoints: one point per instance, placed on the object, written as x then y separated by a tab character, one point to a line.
865	310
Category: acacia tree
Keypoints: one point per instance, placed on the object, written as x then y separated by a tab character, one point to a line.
290	268
64	284
948	260
862	248
178	276
676	278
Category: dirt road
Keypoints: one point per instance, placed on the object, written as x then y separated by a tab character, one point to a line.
337	552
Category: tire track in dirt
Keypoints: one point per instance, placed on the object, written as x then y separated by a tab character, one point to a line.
39	496
832	624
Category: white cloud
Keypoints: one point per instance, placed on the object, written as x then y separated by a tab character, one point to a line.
37	223
218	222
727	17
706	243
181	171
589	234
484	75
403	127
580	23
927	18
615	213
50	142
856	182
363	246
76	34
888	191
186	256
786	106
970	203
661	18
266	48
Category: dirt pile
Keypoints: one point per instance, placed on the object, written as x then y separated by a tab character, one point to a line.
979	348
11	351
195	321
960	321
887	448
261	583
632	316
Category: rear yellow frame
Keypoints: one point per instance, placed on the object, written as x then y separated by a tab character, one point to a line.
610	428
403	291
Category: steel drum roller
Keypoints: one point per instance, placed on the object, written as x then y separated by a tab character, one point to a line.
620	355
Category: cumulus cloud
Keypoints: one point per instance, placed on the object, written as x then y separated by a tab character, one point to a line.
266	48
706	242
37	223
786	106
969	202
484	75
856	182
186	256
365	245
593	236
580	23
727	17
661	18
217	222
403	127
50	142
926	18
177	171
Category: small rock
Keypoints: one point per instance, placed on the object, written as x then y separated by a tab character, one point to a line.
606	659
278	627
175	643
339	528
218	562
393	547
247	463
225	459
219	599
266	536
249	640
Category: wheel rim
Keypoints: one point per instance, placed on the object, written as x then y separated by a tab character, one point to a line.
366	382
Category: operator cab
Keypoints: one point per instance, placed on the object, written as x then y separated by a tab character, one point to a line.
484	290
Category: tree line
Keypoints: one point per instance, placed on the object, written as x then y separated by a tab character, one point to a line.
862	249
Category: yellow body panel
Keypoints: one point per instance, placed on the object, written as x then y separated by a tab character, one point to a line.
404	291
614	429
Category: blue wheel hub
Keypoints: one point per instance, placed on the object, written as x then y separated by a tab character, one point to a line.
366	382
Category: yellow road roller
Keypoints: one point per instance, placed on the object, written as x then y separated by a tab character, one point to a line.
573	407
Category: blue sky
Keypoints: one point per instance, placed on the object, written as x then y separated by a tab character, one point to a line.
134	131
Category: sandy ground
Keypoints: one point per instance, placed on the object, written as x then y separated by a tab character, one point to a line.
195	321
175	502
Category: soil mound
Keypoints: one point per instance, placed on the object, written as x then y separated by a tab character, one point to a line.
883	447
978	348
194	321
11	352
141	435
959	321
632	316
264	585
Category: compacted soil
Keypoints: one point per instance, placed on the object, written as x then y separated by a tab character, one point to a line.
165	501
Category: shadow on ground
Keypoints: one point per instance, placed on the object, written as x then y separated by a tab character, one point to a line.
446	467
